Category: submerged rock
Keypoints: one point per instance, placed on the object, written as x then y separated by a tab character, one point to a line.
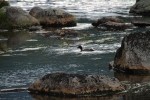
133	55
141	22
53	17
141	7
15	17
67	33
62	84
111	23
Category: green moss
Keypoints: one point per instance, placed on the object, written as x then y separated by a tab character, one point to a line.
3	3
4	23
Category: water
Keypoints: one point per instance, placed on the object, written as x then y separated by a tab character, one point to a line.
29	56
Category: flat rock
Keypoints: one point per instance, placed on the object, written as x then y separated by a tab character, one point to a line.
111	23
62	84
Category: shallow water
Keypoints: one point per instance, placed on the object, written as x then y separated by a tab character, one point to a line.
29	56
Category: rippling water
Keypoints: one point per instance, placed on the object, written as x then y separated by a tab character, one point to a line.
29	56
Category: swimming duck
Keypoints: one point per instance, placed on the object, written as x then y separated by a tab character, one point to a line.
81	48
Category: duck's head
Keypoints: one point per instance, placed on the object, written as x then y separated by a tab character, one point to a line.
80	47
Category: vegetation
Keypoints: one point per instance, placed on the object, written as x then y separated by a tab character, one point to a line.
3	3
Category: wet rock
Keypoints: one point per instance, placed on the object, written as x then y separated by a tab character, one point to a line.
53	17
61	84
15	18
133	55
111	23
106	19
141	7
140	23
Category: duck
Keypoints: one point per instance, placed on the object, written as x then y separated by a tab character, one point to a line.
81	48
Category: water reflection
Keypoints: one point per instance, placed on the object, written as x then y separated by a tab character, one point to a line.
10	40
132	78
46	97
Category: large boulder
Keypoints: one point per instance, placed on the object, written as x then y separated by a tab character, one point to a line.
141	7
61	84
111	23
15	17
134	54
53	17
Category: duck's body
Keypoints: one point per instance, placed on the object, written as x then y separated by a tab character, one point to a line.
81	48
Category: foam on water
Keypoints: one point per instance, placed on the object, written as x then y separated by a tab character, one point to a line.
29	49
80	26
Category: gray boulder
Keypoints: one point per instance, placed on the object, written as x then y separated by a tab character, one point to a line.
15	17
134	54
53	17
141	7
61	84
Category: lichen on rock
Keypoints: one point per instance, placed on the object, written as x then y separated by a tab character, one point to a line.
63	84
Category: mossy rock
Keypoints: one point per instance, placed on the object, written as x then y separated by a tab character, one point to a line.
16	18
4	23
4	3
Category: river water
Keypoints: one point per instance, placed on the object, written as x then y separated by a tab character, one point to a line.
29	56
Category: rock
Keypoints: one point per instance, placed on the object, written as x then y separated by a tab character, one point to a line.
106	19
4	3
140	23
53	17
61	84
133	55
141	7
111	23
15	18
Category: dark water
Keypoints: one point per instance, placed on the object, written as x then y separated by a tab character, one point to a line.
29	56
